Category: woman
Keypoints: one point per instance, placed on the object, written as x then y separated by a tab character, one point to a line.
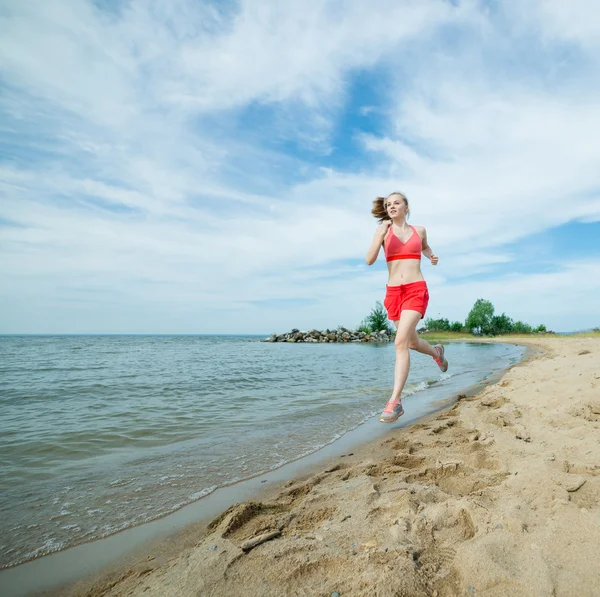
406	294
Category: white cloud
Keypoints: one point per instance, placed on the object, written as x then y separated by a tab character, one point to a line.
138	180
574	21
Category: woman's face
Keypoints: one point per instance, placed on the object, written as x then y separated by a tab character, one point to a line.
395	206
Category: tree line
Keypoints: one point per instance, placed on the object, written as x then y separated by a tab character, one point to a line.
481	321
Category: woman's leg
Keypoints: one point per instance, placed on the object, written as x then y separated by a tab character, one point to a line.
437	351
421	345
405	327
404	332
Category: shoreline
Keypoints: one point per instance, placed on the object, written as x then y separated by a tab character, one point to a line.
162	552
92	559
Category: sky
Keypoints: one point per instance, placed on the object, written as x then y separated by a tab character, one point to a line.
198	167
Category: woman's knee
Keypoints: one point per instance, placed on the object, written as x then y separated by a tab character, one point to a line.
402	341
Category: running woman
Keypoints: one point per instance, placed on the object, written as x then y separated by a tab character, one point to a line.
406	295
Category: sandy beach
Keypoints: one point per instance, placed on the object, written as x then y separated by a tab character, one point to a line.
500	495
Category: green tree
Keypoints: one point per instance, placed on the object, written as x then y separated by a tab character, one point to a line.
376	320
437	325
480	317
520	327
456	326
540	329
501	324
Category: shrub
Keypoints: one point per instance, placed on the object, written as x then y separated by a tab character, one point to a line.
521	328
437	325
376	320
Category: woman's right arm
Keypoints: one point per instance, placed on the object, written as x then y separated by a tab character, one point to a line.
378	239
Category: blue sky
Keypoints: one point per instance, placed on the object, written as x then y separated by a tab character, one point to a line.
209	167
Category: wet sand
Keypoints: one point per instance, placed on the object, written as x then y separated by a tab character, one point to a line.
498	495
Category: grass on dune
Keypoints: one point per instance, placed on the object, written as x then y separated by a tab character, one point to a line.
434	336
591	334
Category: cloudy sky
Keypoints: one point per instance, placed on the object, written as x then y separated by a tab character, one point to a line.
187	166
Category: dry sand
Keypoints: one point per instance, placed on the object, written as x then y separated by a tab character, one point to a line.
499	496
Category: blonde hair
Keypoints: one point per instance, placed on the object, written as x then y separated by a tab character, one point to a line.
380	204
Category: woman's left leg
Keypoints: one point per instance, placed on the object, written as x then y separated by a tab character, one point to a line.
421	345
405	328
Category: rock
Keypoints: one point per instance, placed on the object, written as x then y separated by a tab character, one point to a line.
339	335
574	484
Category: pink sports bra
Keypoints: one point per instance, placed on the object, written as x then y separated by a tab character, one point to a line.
394	248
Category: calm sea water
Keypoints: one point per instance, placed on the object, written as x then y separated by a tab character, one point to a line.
99	433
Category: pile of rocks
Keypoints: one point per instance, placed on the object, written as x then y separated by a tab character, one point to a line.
339	335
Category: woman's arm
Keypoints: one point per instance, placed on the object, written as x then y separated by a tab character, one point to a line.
378	239
426	249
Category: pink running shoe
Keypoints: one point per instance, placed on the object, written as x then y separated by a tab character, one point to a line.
441	359
391	412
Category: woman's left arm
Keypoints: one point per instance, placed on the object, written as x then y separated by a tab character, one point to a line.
426	249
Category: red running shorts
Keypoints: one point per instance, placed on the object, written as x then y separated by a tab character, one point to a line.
413	297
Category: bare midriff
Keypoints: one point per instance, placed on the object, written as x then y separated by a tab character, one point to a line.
404	271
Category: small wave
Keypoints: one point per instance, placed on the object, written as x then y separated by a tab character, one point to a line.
50	545
413	389
200	494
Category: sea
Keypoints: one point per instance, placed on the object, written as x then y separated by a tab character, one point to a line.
102	433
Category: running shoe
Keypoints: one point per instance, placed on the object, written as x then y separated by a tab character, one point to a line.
392	411
441	359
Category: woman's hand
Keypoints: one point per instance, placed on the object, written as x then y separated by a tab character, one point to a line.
434	259
383	228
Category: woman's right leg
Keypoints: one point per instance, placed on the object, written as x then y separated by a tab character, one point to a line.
404	334
404	329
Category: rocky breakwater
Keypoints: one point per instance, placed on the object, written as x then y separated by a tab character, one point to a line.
322	336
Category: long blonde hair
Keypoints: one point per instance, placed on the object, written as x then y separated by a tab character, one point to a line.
380	204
